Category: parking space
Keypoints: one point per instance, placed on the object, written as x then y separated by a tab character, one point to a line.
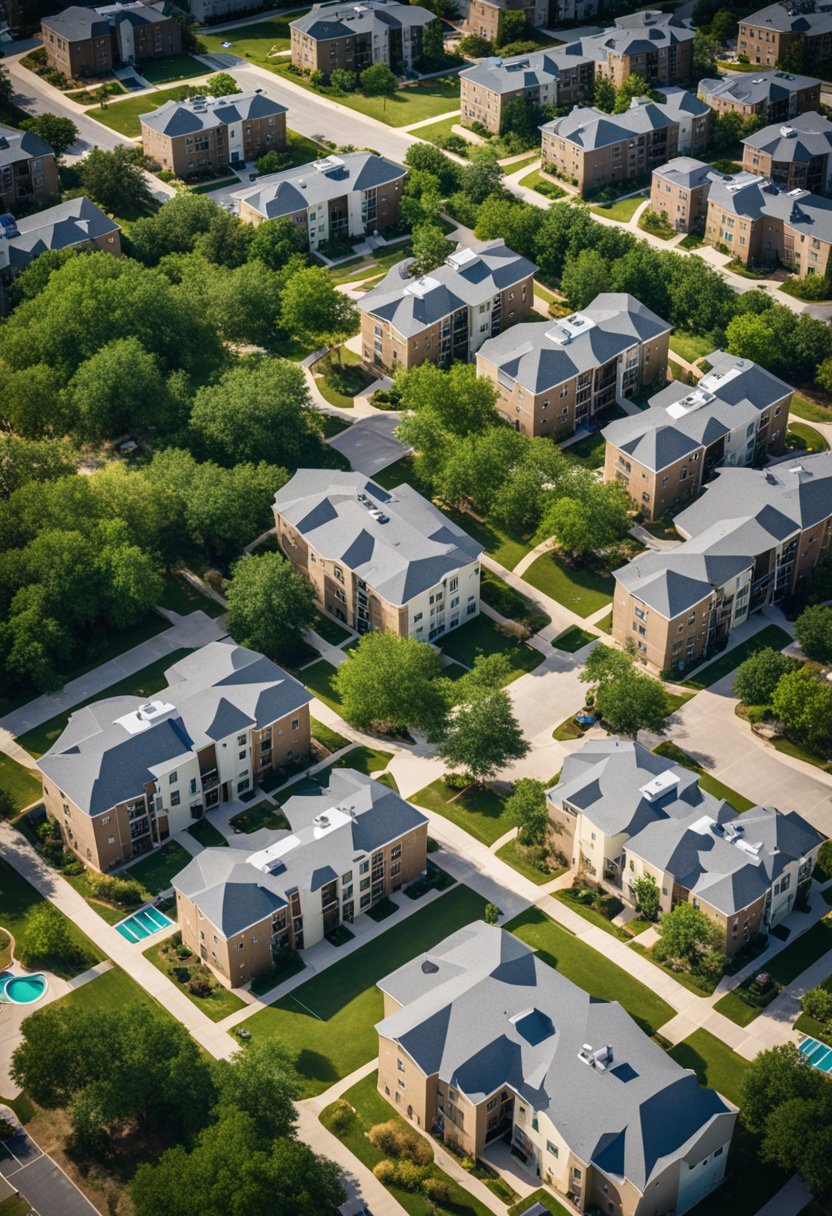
41	1182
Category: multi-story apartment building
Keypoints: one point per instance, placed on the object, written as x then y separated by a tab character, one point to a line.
209	133
387	560
736	415
350	844
752	539
483	16
557	77
91	42
796	156
447	314
482	1040
622	813
593	149
656	46
764	224
28	173
337	196
69	225
767	35
353	36
556	376
679	192
773	96
126	774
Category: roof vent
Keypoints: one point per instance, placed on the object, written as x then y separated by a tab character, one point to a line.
463	258
321	821
600	1058
788	132
660	785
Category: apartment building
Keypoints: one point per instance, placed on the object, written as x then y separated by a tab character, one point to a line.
656	46
482	1040
556	376
335	197
622	813
766	225
28	172
353	36
447	314
126	774
91	42
387	560
206	134
557	77
767	35
483	16
796	156
679	192
593	149
350	844
753	538
736	415
773	96
74	224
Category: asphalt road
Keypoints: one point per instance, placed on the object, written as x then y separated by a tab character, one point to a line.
31	95
43	1185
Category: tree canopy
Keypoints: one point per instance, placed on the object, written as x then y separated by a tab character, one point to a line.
393	683
271	605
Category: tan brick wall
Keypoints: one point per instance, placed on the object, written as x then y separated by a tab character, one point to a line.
617	162
685	208
89	57
675	484
655	648
184	160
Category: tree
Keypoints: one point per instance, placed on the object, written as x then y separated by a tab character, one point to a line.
774	1077
705	55
605	665
433	43
27	460
313	310
794	57
475	47
343	79
521	118
604	94
59	133
646	894
428	158
803	703
590	516
482	735
526	805
632	703
115	179
491	914
222	84
275	242
430	248
510	220
813	630
120	387
686	933
173	229
379	81
759	674
273	162
584	277
724	26
31	401
798	1136
483	176
457	400
511	27
47	937
271	605
261	1080
392	683
6	89
421	199
633	86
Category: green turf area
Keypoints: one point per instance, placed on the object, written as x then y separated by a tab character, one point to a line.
582	590
788	748
328	1022
329	629
287	965
545	1198
807	437
708	783
480	812
22	785
112	990
589	451
15	1206
365	760
209	187
171	67
622	210
18	899
143	683
589	969
510	603
482	635
514	855
426	99
368	1108
256	42
592	914
690	347
340	382
705	677
217	1006
569	729
784	969
318	678
812	411
536	179
655	225
437	132
123	115
205	832
156	870
573	639
327	737
516	165
263	814
715	1064
183	597
738	1011
605	624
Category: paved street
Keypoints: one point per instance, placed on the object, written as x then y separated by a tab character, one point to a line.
41	1182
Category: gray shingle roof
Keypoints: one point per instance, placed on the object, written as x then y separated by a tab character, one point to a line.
797	139
214	692
327	21
331	827
74	222
753	197
411	551
19	146
319	182
468	278
539	356
637	34
201	113
750	89
77	24
525	71
590	128
687	171
483	1011
787	16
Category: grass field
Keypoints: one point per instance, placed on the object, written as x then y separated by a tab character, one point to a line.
254	42
217	1006
143	684
437	131
18	899
123	116
205	832
808	437
705	677
581	589
589	969
327	737
812	411
708	783
328	1022
21	784
573	639
112	990
715	1064
690	346
788	748
622	210
479	811
172	67
545	1198
503	598
366	760
262	815
156	870
427	99
484	636
183	597
318	678
329	629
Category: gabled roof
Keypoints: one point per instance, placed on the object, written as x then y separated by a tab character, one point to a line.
499	75
201	113
327	21
18	146
755	88
795	139
590	128
321	181
74	222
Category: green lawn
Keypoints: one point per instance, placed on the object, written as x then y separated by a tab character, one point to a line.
536	179
543	1197
589	451
784	968
172	67
143	683
503	598
808	437
622	210
123	115
573	639
255	42
436	132
205	832
690	346
771	635
812	411
340	382
514	855
318	678
327	737
217	1006
328	1022
591	914
329	629
22	784
579	588
482	635
605	625
589	969
365	760
708	783
15	1206
183	597
263	814
716	1065
156	871
414	103
18	899
789	748
112	990
479	811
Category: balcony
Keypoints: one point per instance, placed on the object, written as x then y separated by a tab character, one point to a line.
210	779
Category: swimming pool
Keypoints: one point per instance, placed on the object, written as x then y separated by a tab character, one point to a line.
23	989
143	924
817	1054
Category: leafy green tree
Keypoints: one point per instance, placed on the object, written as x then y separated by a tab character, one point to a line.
427	158
803	703
457	400
604	94
724	26
482	735
59	133
393	683
521	499
314	311
32	643
430	248
47	938
31	400
474	468
379	81
759	674
817	1003
475	47
634	86
120	387
421	199
173	229
512	221
433	43
705	55
798	1136
6	89
647	896
794	57
590	516
511	27
520	118
526	805
275	242
490	671
813	630
130	581
261	1080
115	179
26	460
222	84
632	703
34	277
686	933
271	605
584	277
483	176
273	161
774	1077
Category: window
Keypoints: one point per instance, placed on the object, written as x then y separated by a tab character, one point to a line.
173	778
400	1065
105	820
175	798
241	740
241	755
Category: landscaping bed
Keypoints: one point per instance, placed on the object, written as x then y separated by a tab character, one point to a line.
436	879
801	437
381	910
742	1005
526	862
340	382
597	907
184	969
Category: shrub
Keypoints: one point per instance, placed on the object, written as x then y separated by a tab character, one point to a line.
200	986
457	781
398	1141
475	47
818	1004
437	1191
72	867
7	1130
385	1171
123	891
823	865
341	1117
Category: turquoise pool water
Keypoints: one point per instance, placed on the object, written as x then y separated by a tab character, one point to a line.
23	989
143	924
817	1054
